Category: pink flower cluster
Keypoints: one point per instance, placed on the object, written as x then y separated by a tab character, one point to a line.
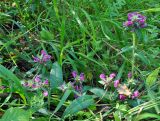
104	77
36	84
105	80
76	77
111	76
77	84
135	20
134	95
117	85
43	58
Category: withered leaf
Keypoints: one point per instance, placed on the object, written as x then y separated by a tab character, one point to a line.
123	89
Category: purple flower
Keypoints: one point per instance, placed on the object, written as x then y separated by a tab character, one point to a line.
34	86
46	82
25	84
143	25
76	88
45	93
112	75
2	87
116	83
76	96
72	84
122	97
36	59
102	76
44	57
129	75
37	79
81	77
43	53
130	15
74	74
135	20
77	84
127	23
80	87
142	21
135	94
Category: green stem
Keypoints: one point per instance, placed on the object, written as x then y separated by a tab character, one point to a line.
133	53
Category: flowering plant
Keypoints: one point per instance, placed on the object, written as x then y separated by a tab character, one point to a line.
43	58
37	84
135	21
122	89
105	80
77	83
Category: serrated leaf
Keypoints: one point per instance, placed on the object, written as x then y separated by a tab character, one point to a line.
79	104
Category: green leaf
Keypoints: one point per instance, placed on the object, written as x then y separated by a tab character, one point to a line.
116	116
41	119
8	75
43	111
139	35
16	114
125	49
153	97
100	93
147	116
46	35
4	17
6	100
152	77
90	23
102	82
142	57
120	71
56	75
63	99
79	104
152	10
90	59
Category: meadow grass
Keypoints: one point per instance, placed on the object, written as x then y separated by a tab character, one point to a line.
86	36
